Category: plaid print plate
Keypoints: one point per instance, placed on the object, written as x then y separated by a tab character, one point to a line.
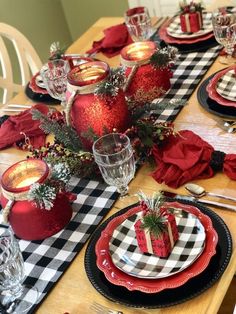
127	257
226	85
174	28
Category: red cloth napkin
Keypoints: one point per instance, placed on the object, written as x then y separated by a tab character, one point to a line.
116	37
135	10
11	128
185	157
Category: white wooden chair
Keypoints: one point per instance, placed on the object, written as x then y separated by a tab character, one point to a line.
28	61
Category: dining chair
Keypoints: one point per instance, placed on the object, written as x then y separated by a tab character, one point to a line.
16	55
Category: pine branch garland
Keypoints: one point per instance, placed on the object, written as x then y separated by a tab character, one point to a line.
63	133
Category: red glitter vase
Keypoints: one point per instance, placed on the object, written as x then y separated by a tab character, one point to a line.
144	81
28	221
100	114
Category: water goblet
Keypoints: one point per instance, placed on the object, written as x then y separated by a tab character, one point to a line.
138	23
114	156
14	296
54	76
224	27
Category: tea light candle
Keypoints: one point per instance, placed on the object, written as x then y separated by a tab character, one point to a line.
139	51
20	176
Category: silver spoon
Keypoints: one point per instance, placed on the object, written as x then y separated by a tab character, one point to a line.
198	191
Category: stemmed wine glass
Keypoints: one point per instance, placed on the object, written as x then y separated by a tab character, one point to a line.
15	297
54	76
138	23
114	156
224	27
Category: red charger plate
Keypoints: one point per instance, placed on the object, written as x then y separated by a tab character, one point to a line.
117	277
211	89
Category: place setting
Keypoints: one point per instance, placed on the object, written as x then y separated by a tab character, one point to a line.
122	262
190	30
217	93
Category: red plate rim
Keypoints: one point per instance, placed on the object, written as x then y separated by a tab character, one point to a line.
211	89
117	277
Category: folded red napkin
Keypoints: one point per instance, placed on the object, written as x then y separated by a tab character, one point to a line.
116	37
10	130
186	156
135	10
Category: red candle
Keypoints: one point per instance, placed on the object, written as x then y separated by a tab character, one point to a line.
144	81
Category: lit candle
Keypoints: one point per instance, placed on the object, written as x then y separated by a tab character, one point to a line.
139	51
20	176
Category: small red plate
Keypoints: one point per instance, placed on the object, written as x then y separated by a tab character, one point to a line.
117	277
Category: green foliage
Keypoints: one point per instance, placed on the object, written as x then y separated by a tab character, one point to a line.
63	133
43	195
154	223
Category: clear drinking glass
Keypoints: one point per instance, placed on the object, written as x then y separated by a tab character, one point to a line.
114	156
14	297
138	23
224	27
54	75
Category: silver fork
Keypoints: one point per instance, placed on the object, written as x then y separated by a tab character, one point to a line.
101	309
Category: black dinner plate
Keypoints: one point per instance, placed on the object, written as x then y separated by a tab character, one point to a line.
46	98
211	105
168	297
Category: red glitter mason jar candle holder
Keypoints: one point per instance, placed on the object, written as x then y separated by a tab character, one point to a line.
144	81
86	110
27	220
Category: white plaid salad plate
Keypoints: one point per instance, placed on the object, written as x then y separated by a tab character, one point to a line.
126	255
174	28
226	85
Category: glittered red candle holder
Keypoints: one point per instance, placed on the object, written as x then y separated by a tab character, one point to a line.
144	81
27	220
86	110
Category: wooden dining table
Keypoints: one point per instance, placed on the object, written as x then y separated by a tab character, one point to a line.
73	293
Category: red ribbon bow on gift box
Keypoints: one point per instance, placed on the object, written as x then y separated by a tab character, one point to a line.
186	156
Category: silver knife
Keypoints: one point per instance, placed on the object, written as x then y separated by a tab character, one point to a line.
201	201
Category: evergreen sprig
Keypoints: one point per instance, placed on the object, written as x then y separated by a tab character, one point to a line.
112	85
43	195
63	133
153	220
164	57
155	224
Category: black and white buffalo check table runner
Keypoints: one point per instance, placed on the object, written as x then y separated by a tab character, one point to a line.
45	261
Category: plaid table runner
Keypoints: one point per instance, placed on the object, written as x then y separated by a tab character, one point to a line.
45	261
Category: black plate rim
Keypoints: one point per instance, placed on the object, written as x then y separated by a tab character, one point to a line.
91	245
202	100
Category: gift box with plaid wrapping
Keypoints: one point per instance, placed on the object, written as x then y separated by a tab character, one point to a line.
156	232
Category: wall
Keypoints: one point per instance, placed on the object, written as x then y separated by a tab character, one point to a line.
41	21
81	14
